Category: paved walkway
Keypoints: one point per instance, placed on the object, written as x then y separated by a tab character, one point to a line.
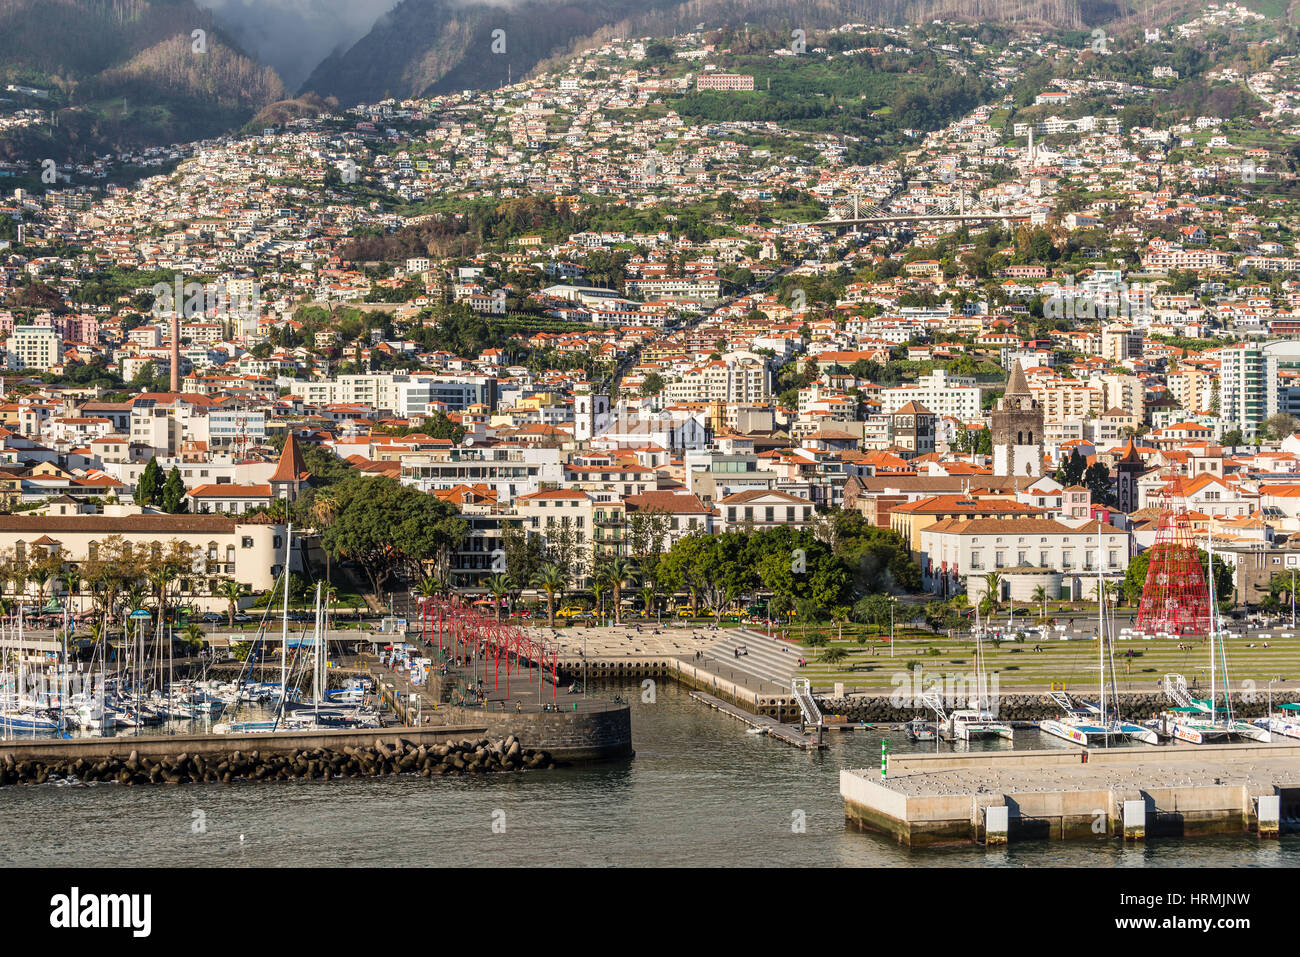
525	696
625	641
1261	769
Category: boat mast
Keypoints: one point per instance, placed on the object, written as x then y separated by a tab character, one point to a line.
319	669
284	619
1214	612
1101	628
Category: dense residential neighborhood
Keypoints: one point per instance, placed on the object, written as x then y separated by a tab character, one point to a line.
577	310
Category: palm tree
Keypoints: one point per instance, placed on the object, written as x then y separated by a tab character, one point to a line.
833	656
45	571
278	510
159	580
70	578
1040	595
499	586
231	591
135	596
649	591
324	510
993	589
598	588
840	614
427	587
193	636
617	571
551	579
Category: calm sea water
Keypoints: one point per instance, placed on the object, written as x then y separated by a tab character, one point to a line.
699	792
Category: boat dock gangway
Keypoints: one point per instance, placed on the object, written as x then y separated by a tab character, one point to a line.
1176	691
801	689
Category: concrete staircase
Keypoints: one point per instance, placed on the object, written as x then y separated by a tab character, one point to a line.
767	658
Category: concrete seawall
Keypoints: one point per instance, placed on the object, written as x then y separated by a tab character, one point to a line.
769	702
571	737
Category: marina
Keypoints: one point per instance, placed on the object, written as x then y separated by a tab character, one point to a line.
700	792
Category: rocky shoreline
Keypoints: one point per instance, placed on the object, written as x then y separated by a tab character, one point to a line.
483	756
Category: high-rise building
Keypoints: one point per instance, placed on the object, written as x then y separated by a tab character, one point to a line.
1248	388
35	347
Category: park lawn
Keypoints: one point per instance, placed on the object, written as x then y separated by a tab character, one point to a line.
1072	663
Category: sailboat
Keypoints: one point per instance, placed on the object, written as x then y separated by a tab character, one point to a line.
1199	721
321	711
1085	723
21	712
978	722
259	691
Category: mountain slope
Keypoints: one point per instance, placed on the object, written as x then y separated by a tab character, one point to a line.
123	74
429	46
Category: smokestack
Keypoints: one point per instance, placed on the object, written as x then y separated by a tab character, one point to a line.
176	351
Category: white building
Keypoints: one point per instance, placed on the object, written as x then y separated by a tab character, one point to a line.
1248	387
944	395
34	347
971	548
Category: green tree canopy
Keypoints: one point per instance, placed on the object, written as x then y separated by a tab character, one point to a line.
148	488
388	529
172	497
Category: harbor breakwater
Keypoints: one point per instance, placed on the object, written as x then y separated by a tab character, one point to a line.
574	737
205	766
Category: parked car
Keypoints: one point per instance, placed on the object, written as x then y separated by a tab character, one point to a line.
213	617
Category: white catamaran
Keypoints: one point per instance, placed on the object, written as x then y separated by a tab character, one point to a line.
1202	722
978	722
1285	721
1089	724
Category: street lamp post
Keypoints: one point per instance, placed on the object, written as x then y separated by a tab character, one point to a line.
1293	598
891	625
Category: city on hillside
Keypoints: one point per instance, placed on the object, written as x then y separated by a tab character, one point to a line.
444	364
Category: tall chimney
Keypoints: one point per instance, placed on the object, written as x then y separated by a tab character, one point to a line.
176	351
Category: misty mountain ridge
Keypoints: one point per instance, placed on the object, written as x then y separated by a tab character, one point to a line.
425	47
125	73
122	74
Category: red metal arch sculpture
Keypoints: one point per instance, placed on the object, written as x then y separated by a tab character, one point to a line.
459	628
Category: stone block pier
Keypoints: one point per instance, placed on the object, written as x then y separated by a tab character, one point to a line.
1123	793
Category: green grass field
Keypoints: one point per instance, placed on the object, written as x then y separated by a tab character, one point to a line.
1072	663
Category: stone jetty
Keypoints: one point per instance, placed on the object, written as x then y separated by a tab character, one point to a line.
481	756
